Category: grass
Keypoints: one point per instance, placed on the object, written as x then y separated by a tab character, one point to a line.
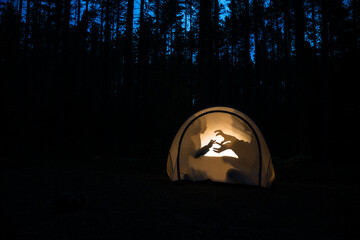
133	199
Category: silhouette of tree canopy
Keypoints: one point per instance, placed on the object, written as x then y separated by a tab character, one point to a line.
98	77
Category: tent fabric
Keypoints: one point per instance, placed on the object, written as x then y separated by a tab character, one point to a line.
223	145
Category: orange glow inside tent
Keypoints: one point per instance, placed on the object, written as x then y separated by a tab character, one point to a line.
223	145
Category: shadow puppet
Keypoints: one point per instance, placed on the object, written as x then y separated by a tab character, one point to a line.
198	128
242	170
197	165
194	152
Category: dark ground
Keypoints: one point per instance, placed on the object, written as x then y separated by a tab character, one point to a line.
133	199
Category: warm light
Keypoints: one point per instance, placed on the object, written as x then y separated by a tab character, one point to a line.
222	145
229	125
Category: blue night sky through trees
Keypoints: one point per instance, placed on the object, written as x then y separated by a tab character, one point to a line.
87	78
225	12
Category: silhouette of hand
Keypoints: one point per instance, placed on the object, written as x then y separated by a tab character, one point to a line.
209	145
227	138
223	147
202	151
227	143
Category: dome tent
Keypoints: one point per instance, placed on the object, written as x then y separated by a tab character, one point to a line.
223	145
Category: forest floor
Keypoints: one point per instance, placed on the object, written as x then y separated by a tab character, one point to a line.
133	199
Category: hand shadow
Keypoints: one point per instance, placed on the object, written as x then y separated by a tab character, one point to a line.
202	151
244	150
239	147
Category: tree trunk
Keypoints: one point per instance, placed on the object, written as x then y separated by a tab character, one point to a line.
102	21
190	24
107	29
299	39
35	27
128	46
78	12
313	19
216	77
157	32
205	54
20	10
247	35
277	38
185	31
355	9
232	37
66	24
287	37
247	55
117	19
142	57
325	78
27	27
258	47
299	85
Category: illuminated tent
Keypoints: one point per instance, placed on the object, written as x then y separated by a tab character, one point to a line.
223	145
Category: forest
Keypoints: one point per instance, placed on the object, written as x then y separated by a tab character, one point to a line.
114	78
